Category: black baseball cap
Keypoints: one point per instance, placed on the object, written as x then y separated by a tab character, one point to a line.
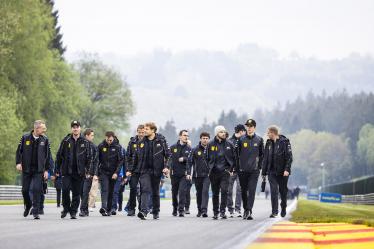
250	123
75	123
239	128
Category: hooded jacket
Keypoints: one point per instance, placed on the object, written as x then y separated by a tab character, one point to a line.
110	157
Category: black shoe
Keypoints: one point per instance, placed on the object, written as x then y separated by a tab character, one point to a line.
239	214
204	215
181	214
231	214
120	208
245	214
63	214
198	214
131	213
156	216
36	217
113	212
187	211
103	212
175	213
273	216
41	211
215	217
250	216
283	212
73	216
141	215
26	212
223	216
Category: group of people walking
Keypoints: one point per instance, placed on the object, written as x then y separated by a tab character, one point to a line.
218	163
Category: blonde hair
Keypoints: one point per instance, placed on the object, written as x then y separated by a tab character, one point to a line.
37	123
274	129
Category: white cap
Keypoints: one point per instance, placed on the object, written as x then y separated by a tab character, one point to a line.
218	129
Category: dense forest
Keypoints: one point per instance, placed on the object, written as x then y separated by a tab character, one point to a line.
336	130
36	82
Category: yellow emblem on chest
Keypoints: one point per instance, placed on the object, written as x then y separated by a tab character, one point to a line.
104	149
175	150
245	145
27	142
141	145
199	153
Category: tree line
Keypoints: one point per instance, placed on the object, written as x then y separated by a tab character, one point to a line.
36	82
337	130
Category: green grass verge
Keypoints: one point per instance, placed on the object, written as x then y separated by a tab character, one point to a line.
317	212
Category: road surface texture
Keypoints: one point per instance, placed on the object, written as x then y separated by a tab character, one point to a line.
121	231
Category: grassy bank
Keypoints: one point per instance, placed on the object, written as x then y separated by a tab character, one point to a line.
316	212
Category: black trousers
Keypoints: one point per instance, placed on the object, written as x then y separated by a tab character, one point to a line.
134	180
178	191
71	183
33	181
58	196
87	183
149	186
278	185
202	193
248	183
107	188
220	183
188	194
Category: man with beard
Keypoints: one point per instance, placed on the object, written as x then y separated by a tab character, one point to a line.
220	155
150	160
73	161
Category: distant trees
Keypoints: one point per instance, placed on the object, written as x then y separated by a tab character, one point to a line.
35	83
336	129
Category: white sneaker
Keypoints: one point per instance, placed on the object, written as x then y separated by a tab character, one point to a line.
91	209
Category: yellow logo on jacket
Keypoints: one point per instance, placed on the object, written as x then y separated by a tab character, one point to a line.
27	142
245	145
134	145
199	153
141	145
213	148
104	149
175	150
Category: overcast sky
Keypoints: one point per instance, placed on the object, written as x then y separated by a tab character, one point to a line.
320	28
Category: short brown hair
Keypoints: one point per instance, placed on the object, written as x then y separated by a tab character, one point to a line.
151	125
110	134
140	127
204	134
274	129
88	132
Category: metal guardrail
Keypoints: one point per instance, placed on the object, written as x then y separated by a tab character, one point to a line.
12	192
367	199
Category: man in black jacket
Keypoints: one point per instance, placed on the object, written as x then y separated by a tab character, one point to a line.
234	179
250	150
33	160
110	164
73	162
135	174
92	173
221	158
277	165
198	168
150	158
178	172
